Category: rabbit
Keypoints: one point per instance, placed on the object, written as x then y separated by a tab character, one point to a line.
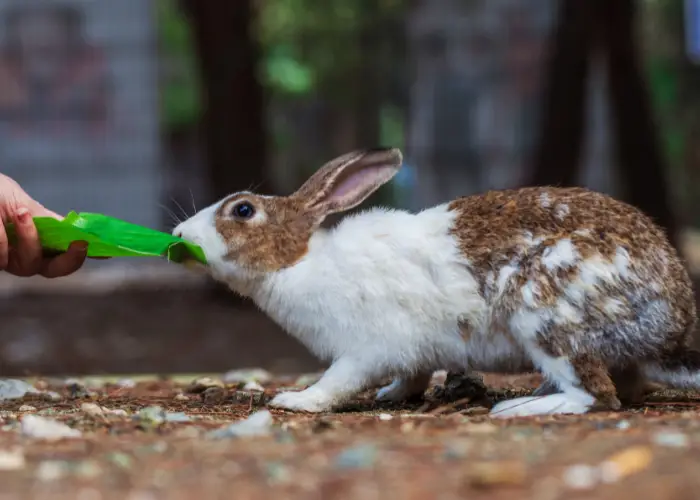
566	280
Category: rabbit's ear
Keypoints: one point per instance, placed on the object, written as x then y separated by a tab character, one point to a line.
345	182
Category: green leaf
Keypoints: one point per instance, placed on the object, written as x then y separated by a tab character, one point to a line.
110	237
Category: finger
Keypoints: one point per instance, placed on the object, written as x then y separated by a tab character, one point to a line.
26	257
4	248
39	210
66	263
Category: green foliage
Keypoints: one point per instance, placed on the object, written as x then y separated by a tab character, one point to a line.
313	44
180	92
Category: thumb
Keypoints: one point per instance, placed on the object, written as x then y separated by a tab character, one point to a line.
38	210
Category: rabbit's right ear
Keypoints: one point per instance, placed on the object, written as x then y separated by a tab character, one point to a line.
348	180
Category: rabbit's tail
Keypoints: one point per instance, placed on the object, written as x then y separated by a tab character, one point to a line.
681	370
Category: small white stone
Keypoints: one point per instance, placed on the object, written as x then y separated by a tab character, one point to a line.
126	383
118	412
581	477
247	375
53	396
15	389
26	408
671	439
257	424
386	417
37	427
51	470
92	409
12	459
623	425
181	397
253	386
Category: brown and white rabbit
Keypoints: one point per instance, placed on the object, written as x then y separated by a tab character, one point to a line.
568	280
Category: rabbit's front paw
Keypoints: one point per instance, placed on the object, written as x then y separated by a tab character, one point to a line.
310	400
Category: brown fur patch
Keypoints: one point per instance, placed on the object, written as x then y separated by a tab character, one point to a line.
498	226
595	379
277	237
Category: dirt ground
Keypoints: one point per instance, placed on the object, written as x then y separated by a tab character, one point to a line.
427	449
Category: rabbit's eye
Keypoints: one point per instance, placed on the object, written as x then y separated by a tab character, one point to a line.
243	210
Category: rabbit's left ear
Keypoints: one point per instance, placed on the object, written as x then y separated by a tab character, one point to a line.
345	182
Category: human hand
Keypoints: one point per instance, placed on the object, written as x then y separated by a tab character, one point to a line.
26	258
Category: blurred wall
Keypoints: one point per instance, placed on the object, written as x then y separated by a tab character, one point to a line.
478	73
78	105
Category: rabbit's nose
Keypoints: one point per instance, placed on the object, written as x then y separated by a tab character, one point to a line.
177	233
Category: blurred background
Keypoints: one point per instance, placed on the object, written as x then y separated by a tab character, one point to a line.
146	109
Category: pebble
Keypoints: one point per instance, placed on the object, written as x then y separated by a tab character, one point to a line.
151	415
77	389
126	383
181	397
213	395
481	429
581	477
247	375
12	459
253	386
177	417
87	469
117	412
257	398
41	385
623	425
94	383
386	417
121	460
26	408
671	439
202	384
357	457
51	470
37	427
53	396
489	474
625	463
257	424
92	409
15	389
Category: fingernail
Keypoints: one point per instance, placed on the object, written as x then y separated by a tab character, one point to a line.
79	245
22	214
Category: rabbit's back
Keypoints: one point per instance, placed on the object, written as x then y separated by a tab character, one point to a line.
554	262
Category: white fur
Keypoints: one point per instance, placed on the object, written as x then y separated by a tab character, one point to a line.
529	292
561	211
560	255
681	379
553	404
381	294
572	399
389	293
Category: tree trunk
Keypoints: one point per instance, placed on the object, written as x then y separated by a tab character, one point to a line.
233	121
558	155
234	106
639	154
585	27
